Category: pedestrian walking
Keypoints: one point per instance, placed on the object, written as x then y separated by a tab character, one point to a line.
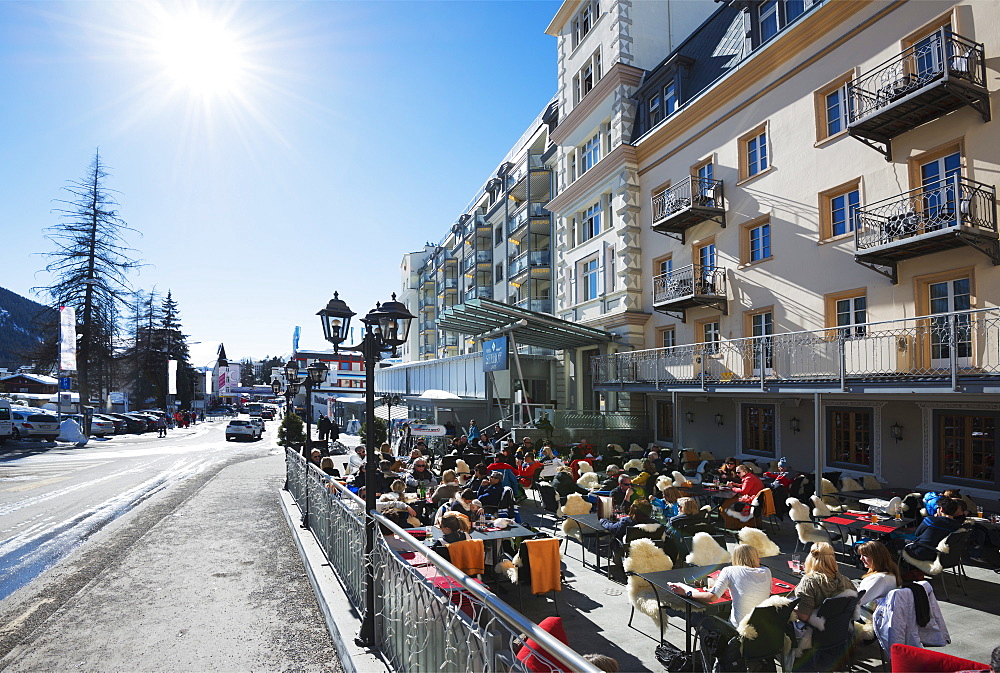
323	426
161	426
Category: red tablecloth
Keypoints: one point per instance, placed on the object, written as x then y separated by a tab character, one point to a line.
880	529
841	520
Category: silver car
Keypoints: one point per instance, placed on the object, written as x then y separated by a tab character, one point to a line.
34	425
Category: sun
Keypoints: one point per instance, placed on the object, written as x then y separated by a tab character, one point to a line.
200	53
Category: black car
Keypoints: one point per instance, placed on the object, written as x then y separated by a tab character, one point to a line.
148	421
131	424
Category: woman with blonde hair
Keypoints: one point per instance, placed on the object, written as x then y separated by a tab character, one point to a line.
822	580
747	582
883	573
447	489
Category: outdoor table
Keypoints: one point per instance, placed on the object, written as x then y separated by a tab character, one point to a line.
782	563
456	593
857	523
490	534
591	522
781	583
876	493
720	493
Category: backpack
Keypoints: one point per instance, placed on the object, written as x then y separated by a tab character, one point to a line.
719	643
931	499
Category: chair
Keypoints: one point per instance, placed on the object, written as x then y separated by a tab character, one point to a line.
831	644
949	556
644	531
545	564
798	512
645	557
870	483
707	550
547	494
758	540
537	659
894	620
847	484
809	533
763	631
469	556
574	530
912	504
801	488
762	509
909	659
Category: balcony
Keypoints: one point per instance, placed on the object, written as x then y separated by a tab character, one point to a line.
469	263
526	212
480	291
531	179
484	257
952	351
689	287
690	202
951	213
483	227
533	259
937	75
537	305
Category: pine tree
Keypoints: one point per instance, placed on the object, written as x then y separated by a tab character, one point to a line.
90	266
175	348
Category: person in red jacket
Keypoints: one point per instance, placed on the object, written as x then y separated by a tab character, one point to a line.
747	489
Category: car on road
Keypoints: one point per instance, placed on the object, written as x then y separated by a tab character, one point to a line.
31	424
267	413
259	422
243	429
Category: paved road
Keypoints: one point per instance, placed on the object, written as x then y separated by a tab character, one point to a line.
192	568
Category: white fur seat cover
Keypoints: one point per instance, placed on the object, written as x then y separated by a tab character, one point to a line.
575	504
583	466
809	533
929	567
798	510
705	551
820	508
706	455
848	484
759	540
645	557
635	447
634	464
588	480
664	482
870	482
679	478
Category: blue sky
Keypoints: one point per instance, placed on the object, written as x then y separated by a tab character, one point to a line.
306	156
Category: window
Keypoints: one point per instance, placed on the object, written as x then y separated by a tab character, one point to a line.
755	243
663	266
591	153
850	436
664	421
704	189
832	108
966	445
773	15
590	272
655	112
668	337
591	222
588	77
767	19
498	235
760	323
584	21
838	209
757	421
710	335
848	311
669	98
498	272
755	154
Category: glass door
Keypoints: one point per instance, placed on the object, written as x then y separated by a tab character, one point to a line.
705	275
938	198
762	325
945	298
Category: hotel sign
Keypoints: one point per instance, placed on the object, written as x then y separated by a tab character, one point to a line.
495	355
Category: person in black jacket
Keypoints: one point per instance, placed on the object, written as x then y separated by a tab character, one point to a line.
491	492
691	520
933	529
564	484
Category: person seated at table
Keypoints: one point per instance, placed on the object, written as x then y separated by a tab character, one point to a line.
931	531
666	504
746	490
326	464
780	477
584	451
654	457
507	455
355	462
963	507
384	477
640	512
491	490
415	454
691	519
358	479
621	496
420	476
564	484
479	473
821	580
550	462
397	510
610	482
748	584
454	528
727	471
467	504
447	489
882	576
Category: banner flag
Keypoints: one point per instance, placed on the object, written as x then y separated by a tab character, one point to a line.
171	377
67	338
295	339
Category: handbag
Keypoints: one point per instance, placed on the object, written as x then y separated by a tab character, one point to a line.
673	658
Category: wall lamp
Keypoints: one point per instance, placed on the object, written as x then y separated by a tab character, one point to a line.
897	431
793	423
689	416
718	419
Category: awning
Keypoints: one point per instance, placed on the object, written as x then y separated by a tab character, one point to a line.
480	316
399	412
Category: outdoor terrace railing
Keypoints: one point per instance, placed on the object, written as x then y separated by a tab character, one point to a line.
954	201
692	191
939	54
537	305
947	346
433	618
686	281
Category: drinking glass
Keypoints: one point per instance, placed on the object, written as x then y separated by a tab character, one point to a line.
797	563
979	511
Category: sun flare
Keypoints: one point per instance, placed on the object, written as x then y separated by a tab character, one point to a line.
200	53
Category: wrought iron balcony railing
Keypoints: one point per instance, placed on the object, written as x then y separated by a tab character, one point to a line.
938	74
687	203
693	280
953	202
947	347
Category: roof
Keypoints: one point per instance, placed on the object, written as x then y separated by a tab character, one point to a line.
481	316
37	378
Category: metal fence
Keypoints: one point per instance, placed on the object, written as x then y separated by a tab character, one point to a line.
432	618
692	191
691	280
963	344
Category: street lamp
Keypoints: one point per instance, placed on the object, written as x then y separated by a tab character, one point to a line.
389	401
275	387
386	328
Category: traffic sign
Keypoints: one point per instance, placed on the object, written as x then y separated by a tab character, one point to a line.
65	383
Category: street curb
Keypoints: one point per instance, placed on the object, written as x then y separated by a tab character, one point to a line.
342	621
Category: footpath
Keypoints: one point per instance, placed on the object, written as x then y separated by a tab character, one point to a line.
214	582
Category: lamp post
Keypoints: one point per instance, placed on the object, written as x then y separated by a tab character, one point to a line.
389	400
275	387
315	374
385	328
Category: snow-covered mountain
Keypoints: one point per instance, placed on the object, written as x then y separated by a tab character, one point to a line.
23	323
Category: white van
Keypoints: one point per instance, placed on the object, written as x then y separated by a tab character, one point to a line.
6	421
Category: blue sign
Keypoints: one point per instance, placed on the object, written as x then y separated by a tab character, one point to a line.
65	383
295	339
495	355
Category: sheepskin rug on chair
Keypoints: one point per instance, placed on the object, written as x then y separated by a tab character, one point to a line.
584	466
634	464
664	482
575	504
680	479
645	557
758	539
820	508
705	551
798	510
588	480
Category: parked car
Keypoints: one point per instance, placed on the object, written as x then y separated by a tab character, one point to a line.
98	427
32	424
119	424
6	424
148	422
134	425
242	429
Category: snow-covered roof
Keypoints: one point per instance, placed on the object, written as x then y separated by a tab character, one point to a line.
37	378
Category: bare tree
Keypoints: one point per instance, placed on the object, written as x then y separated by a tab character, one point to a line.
90	266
